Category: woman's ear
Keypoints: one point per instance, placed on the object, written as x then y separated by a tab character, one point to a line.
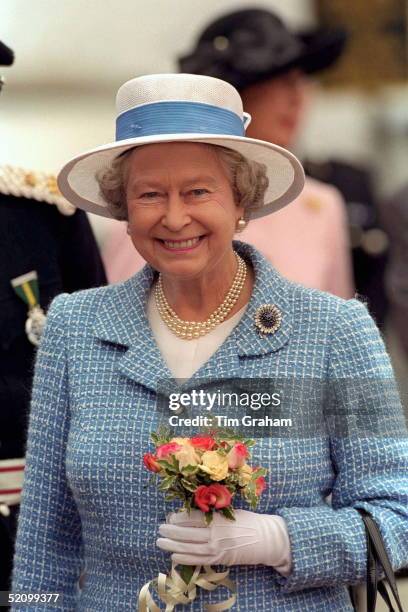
127	228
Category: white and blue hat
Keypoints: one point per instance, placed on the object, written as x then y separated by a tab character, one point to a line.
187	108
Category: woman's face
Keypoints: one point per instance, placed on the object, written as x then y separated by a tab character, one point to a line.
277	107
181	210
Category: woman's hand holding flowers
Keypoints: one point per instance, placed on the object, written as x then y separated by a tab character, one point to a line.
207	473
250	539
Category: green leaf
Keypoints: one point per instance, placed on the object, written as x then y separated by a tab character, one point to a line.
259	472
208	517
251	487
187	484
169	467
251	497
167	482
249	442
187	504
189	469
175	463
228	513
253	503
172	495
155	438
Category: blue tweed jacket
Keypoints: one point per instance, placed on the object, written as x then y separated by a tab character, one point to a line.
87	503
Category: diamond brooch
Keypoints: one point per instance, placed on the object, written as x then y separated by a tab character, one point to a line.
268	319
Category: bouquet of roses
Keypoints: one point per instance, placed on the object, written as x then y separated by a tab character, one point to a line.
206	472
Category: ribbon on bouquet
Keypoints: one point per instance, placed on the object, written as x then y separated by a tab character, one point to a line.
173	590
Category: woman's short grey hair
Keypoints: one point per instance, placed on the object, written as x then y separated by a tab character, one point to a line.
249	181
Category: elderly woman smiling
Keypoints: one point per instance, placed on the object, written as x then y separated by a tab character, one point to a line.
205	192
206	307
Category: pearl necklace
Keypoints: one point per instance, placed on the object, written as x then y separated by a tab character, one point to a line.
189	330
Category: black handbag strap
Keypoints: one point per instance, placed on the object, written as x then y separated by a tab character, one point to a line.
384	594
377	558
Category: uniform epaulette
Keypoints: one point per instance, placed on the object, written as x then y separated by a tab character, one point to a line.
34	186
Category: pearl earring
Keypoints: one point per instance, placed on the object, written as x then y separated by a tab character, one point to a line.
241	225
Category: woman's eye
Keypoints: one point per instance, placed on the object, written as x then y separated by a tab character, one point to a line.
150	195
199	192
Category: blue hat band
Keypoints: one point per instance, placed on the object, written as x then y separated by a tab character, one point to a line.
177	118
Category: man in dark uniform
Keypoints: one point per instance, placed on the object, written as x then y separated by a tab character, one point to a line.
46	247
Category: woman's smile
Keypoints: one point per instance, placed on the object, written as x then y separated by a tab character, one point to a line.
181	246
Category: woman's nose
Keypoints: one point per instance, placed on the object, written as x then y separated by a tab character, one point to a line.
176	215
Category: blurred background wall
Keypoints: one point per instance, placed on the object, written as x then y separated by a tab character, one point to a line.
72	56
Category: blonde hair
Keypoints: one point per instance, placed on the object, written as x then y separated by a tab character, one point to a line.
248	178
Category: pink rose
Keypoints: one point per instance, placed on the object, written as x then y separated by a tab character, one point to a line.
203	442
165	450
150	462
215	495
260	485
237	455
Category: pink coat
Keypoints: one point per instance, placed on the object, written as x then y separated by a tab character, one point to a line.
306	241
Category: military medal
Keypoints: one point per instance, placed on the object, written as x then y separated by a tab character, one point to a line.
26	287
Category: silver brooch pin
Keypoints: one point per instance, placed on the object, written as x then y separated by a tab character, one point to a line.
268	319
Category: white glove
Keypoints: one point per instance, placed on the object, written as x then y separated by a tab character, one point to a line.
251	539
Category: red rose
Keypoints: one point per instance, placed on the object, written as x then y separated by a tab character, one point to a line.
203	442
150	462
165	450
260	485
215	495
237	455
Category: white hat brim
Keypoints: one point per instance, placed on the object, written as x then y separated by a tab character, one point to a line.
77	179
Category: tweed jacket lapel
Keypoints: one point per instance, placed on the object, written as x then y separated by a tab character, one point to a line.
245	341
122	320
